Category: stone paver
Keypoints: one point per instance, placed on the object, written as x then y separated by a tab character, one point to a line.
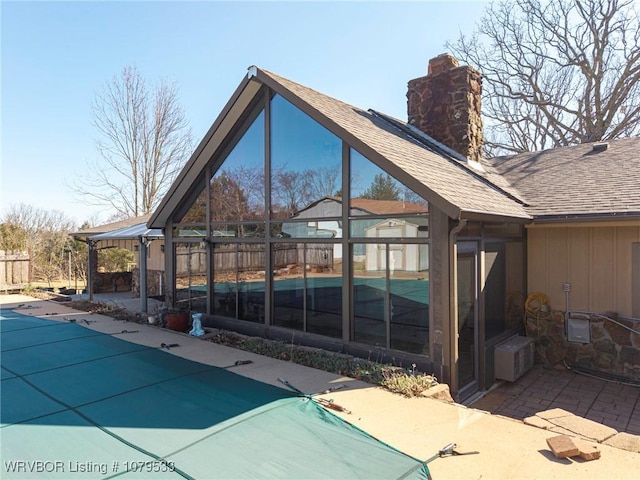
611	404
625	441
585	427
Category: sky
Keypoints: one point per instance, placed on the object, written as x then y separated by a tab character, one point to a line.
56	56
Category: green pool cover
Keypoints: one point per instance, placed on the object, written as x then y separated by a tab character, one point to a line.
76	403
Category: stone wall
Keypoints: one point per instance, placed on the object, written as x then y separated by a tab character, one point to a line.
613	349
153	282
112	282
445	104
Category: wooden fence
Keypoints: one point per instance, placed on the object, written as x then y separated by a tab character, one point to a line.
14	270
251	257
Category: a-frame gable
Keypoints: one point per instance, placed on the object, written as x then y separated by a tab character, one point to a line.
443	184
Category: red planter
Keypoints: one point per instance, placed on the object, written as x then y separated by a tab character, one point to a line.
178	321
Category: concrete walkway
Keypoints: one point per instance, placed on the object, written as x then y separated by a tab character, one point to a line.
508	449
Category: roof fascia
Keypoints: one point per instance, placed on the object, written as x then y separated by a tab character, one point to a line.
611	220
372	155
227	118
488	217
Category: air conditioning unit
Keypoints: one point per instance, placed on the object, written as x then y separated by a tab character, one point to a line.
514	358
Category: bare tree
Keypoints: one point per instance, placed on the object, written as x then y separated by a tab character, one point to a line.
45	235
144	140
556	72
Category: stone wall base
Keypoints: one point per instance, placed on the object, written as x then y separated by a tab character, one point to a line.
613	349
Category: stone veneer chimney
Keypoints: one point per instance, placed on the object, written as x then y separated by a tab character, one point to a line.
445	104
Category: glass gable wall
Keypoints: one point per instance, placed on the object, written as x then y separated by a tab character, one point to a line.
277	240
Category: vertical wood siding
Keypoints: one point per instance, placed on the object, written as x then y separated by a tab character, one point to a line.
596	261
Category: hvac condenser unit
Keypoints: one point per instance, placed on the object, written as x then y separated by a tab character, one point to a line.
514	358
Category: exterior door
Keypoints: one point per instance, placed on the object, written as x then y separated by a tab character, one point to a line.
468	351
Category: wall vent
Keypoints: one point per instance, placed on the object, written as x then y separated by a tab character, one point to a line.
514	358
600	147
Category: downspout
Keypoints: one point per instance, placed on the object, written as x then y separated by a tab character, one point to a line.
452	355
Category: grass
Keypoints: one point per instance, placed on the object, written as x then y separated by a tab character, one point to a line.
407	382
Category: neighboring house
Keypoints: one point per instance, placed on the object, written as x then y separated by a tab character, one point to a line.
145	276
438	285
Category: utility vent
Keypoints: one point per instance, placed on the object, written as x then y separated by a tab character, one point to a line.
514	358
600	147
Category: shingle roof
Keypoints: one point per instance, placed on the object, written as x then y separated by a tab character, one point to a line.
446	178
577	181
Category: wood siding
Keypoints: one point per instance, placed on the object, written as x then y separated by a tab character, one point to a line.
595	260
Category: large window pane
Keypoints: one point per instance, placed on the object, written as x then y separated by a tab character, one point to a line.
377	197
307	287
504	287
409	297
369	294
225	278
323	272
251	278
191	276
238	281
288	285
237	187
391	295
306	161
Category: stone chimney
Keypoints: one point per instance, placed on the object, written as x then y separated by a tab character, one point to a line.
445	104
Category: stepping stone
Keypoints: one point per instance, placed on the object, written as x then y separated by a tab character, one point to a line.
562	446
585	427
588	451
553	413
625	441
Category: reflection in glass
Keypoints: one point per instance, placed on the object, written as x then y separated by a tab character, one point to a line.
323	289
191	276
196	215
409	297
391	296
369	295
288	285
504	287
237	187
251	278
237	230
391	227
375	192
238	285
225	279
308	288
306	160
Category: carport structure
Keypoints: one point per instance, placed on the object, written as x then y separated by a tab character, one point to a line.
131	234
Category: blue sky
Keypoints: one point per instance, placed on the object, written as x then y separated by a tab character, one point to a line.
57	55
